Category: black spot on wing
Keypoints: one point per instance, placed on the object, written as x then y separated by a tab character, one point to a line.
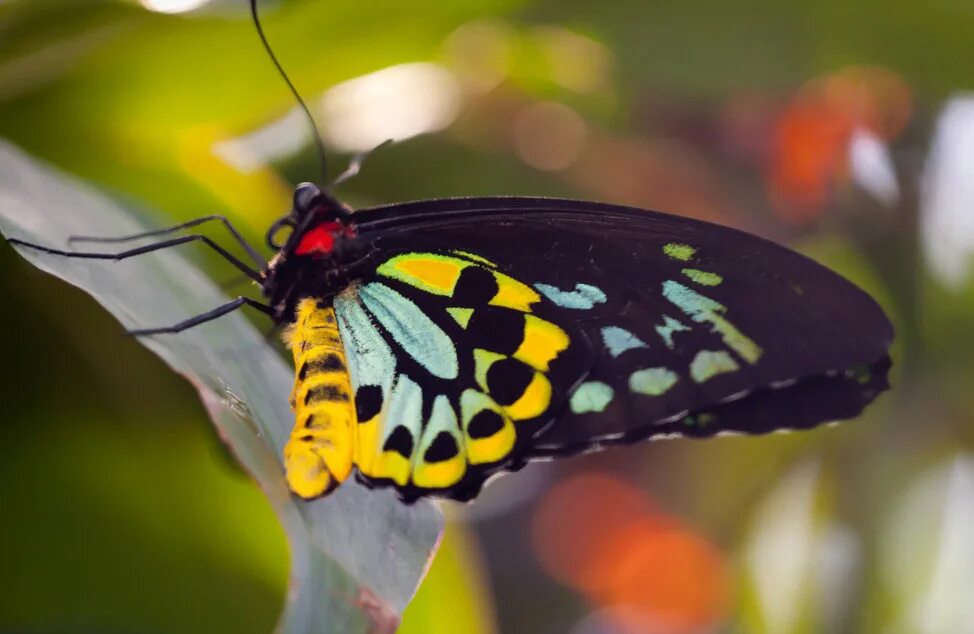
443	448
476	286
400	441
497	329
368	402
485	424
507	379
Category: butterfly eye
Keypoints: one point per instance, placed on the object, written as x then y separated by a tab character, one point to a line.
304	197
272	233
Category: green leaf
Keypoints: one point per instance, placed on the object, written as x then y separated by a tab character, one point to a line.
455	596
357	555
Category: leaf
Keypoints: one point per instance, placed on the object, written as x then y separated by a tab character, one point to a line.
455	591
357	555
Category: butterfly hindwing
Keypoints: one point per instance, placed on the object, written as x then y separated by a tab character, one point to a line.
456	369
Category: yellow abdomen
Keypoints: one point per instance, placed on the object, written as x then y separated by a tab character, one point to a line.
318	455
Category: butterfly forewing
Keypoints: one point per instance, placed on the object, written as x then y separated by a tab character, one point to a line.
677	326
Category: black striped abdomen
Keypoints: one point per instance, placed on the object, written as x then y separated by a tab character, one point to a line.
318	455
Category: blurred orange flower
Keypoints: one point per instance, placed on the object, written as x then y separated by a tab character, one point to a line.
574	516
811	135
605	538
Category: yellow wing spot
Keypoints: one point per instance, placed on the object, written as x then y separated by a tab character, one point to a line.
493	448
439	461
430	272
513	294
367	444
439	475
534	401
392	465
461	315
543	341
489	434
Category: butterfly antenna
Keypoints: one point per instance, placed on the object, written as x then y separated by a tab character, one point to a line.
355	165
319	145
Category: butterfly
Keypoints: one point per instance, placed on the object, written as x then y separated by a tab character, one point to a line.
437	343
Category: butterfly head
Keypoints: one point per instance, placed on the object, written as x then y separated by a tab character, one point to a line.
316	221
321	236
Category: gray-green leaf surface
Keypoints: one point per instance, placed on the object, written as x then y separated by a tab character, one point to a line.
357	555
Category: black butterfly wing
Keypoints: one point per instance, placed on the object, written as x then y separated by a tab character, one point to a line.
678	326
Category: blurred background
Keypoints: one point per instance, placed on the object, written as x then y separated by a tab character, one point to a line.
842	129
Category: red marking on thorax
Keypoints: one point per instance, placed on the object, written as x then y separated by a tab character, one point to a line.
321	239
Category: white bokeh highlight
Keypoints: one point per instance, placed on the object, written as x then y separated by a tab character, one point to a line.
396	103
947	194
173	6
872	167
928	552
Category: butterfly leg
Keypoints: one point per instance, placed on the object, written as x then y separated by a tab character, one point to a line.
219	311
165	244
251	251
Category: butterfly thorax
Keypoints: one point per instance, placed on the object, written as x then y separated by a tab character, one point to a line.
318	260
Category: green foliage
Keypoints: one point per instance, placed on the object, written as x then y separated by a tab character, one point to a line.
336	543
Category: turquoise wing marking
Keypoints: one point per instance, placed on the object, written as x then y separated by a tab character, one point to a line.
370	360
412	329
405	409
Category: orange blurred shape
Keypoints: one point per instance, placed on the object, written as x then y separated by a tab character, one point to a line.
575	516
604	537
811	136
665	571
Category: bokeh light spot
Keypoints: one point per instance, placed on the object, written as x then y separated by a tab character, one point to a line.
480	53
664	569
549	136
575	61
810	143
603	537
947	209
396	103
173	6
577	513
